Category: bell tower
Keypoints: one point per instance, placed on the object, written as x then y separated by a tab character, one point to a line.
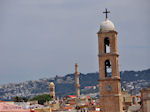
110	87
52	90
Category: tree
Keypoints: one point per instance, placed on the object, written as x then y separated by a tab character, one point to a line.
20	99
42	98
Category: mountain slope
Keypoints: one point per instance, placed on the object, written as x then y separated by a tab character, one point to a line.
132	81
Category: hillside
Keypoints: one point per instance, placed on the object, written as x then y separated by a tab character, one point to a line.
132	81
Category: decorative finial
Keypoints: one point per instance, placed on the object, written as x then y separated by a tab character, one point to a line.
76	64
106	12
76	68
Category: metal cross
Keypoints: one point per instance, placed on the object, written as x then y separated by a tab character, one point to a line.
106	12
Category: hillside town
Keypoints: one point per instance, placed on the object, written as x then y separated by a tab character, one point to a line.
37	87
78	102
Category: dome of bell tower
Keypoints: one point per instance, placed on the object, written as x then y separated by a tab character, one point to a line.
106	26
51	84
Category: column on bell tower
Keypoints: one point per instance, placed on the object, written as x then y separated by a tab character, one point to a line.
110	87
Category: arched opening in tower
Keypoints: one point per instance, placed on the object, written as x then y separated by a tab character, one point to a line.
108	69
106	45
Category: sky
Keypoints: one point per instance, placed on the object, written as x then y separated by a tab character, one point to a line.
45	38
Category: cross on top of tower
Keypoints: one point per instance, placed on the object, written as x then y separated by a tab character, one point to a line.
106	12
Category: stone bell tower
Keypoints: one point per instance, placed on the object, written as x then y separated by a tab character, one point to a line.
110	87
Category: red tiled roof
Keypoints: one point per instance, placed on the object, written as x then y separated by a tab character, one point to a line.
71	96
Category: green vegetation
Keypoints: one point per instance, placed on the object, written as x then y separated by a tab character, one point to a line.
20	99
41	98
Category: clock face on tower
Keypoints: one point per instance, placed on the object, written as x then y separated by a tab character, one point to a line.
108	88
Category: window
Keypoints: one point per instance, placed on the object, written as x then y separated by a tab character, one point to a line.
106	45
108	69
51	89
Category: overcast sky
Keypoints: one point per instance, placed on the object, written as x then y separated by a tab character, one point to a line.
44	38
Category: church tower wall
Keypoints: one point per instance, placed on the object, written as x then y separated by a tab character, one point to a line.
110	86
